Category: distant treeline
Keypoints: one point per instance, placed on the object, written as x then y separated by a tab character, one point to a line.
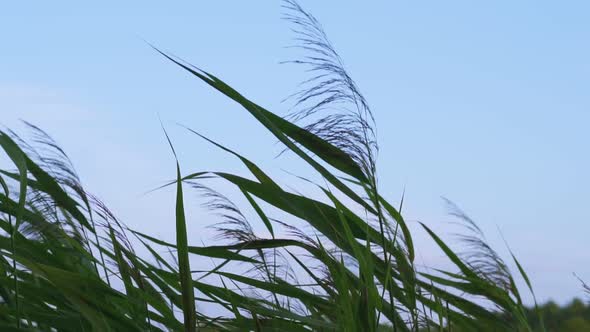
573	317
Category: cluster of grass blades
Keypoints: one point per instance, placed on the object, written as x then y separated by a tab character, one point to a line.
67	263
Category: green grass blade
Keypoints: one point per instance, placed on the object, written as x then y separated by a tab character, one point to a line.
282	128
188	294
184	268
19	159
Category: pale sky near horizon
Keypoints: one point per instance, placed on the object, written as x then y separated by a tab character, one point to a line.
484	103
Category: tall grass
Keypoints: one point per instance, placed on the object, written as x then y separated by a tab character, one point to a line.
68	264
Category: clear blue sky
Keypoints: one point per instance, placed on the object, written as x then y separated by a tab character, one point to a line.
485	103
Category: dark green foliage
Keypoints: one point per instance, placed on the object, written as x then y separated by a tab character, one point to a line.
573	317
67	264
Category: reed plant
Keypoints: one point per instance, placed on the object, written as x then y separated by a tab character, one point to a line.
68	264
